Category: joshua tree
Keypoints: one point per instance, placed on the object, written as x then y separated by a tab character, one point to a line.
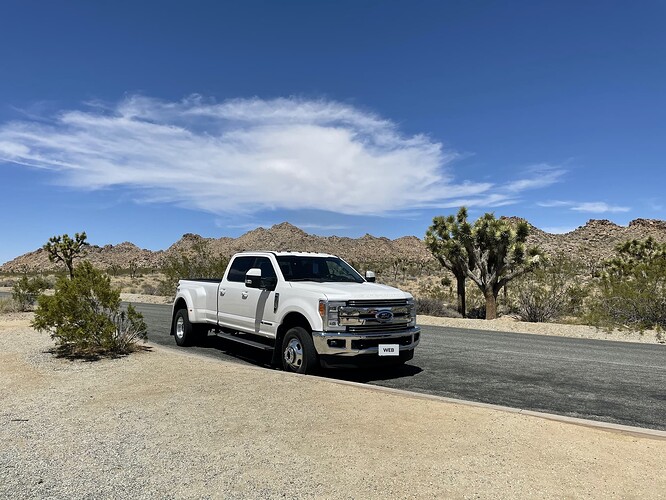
65	249
490	252
445	239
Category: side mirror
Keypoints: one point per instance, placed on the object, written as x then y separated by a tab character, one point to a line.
370	277
253	279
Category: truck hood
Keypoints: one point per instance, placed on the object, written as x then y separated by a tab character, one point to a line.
351	291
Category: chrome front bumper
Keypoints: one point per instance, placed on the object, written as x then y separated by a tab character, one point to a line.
353	344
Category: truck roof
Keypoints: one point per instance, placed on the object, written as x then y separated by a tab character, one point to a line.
286	253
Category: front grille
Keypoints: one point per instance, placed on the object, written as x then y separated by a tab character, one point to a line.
378	327
377	303
368	343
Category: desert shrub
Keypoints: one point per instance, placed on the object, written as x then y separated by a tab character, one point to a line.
8	305
550	292
632	288
130	328
27	289
430	306
84	317
477	311
7	282
149	289
199	262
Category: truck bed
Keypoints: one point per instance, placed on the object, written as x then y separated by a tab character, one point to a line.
204	280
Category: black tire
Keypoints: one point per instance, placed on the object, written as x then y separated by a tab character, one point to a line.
298	352
182	329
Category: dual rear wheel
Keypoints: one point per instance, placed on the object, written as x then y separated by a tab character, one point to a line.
185	333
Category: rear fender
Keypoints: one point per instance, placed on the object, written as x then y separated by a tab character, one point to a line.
185	300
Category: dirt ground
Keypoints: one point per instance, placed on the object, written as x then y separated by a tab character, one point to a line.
165	423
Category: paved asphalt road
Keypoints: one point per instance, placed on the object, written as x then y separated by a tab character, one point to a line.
616	382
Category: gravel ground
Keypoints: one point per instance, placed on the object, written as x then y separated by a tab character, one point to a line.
167	424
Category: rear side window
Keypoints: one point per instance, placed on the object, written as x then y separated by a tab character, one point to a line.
241	265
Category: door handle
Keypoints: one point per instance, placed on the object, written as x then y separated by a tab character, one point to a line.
244	295
222	292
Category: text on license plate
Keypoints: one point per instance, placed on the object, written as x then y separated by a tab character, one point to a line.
389	350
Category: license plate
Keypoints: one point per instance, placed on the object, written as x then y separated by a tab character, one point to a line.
389	350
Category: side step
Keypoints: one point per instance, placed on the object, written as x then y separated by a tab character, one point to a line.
244	341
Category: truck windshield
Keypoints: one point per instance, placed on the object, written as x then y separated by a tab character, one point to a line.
319	269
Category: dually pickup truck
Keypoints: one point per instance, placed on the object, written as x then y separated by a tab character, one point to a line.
306	309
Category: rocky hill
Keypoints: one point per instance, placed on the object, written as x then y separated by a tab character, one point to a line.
591	242
597	239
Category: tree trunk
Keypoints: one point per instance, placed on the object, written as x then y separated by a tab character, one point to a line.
460	282
491	304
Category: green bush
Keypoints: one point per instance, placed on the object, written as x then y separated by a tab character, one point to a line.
550	292
26	290
632	288
430	306
84	317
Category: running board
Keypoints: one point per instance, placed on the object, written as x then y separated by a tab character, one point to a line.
241	340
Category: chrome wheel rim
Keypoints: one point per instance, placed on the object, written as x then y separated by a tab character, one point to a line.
180	327
293	354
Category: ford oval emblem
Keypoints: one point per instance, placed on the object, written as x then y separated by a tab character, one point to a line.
384	316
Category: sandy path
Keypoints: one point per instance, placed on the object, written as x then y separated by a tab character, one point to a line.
173	425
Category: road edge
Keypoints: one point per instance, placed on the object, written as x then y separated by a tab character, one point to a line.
607	426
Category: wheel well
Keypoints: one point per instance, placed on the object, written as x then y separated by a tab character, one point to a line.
180	304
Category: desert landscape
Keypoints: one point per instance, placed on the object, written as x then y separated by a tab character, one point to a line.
404	262
166	423
152	424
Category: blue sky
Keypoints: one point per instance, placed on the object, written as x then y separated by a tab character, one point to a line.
142	121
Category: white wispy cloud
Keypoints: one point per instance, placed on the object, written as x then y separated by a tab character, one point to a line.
596	207
243	156
537	177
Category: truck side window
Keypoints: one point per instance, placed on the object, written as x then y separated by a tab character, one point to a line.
266	267
239	267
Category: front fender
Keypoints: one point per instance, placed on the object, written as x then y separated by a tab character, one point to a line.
305	306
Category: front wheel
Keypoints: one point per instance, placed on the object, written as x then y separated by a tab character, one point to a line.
298	352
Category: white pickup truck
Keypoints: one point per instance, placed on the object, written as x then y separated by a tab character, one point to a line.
307	309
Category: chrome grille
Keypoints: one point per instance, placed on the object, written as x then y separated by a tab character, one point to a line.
377	303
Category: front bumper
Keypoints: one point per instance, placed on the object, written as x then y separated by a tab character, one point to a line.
355	344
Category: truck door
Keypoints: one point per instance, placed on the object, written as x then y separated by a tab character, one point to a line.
232	309
260	304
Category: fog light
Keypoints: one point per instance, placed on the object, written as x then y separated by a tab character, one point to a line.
339	343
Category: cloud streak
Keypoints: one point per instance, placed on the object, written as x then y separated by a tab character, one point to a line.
596	207
244	156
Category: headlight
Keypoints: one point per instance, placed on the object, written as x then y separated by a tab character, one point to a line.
412	312
329	315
